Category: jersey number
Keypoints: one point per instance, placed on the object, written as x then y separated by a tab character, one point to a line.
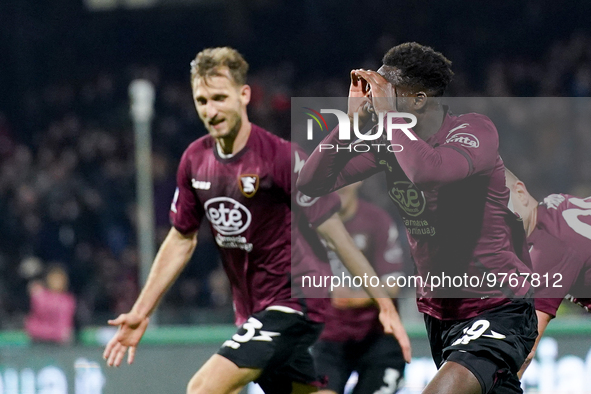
571	216
474	332
391	377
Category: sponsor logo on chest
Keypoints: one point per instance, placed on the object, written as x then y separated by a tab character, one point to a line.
408	198
200	185
227	216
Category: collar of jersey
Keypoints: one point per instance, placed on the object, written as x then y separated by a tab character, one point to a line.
219	155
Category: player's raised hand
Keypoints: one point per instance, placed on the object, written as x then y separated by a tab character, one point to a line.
359	101
393	325
131	329
383	93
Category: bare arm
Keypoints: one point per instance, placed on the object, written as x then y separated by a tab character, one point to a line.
174	253
543	320
337	237
345	298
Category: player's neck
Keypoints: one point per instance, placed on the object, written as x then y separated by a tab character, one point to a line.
349	211
532	220
429	122
233	144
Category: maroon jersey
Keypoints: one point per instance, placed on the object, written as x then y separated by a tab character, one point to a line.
247	198
450	191
560	249
376	236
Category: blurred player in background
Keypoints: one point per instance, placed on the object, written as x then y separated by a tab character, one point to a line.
242	179
353	338
559	239
448	183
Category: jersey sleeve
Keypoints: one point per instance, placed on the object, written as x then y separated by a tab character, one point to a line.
548	305
186	212
316	209
468	149
333	165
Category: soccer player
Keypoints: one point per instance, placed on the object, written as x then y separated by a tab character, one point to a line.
448	183
241	178
353	338
559	239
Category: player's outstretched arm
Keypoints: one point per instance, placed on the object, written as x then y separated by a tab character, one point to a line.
346	298
172	257
338	239
543	320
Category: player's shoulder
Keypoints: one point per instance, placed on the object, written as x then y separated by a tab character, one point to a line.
198	147
555	200
470	130
471	117
554	204
473	121
273	150
268	142
560	215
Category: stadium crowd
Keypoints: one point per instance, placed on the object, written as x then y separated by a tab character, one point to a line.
67	174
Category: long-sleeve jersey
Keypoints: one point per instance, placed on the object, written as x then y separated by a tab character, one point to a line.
450	191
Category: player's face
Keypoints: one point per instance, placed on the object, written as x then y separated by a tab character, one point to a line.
220	103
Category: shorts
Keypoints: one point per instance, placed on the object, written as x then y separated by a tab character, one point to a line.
493	345
377	359
277	342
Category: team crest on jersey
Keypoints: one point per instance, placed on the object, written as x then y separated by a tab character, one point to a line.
249	184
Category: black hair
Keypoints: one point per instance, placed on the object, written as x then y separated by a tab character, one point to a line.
420	67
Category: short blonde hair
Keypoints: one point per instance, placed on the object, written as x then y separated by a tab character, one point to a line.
208	62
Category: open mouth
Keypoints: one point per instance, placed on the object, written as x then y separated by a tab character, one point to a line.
216	123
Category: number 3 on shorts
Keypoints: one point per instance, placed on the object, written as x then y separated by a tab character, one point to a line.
251	327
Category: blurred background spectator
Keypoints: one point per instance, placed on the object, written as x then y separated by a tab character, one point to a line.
67	190
51	316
